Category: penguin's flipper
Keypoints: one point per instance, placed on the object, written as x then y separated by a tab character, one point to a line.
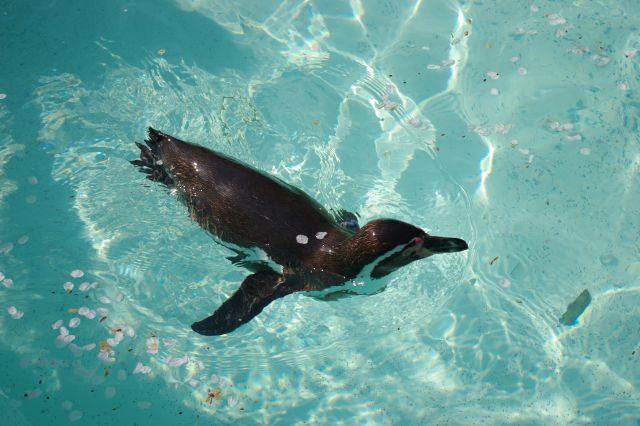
347	219
255	293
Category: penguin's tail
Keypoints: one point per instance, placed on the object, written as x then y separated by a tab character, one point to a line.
150	162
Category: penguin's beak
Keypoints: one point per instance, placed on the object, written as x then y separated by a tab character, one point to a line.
434	245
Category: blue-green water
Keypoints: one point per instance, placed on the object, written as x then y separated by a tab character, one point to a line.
511	124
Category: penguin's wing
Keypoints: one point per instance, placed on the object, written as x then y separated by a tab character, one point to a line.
346	219
255	293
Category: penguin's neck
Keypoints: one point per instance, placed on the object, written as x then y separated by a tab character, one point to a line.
358	251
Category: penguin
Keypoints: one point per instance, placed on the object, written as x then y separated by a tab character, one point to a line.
312	249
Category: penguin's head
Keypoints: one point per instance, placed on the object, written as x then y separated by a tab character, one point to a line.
395	244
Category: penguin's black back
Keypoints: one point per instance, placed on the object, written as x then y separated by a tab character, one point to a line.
242	205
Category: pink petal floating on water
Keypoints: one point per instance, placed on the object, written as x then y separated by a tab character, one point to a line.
623	86
14	312
67	405
144	405
68	287
76	273
142	369
177	362
83	311
122	375
494	92
84	286
106	356
23	240
320	235
32	394
89	347
104	299
302	239
74	416
555	19
152	345
56	325
494	75
33	180
3	96
505	283
75	349
6	248
522	71
7	282
534	8
102	311
109	392
74	322
415	122
585	151
169	343
1	276
503	129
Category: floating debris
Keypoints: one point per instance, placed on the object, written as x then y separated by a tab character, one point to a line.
152	345
14	312
555	19
302	239
144	405
110	392
75	415
177	362
76	273
576	308
213	394
142	369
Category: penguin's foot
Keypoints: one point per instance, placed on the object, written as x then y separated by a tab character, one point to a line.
149	161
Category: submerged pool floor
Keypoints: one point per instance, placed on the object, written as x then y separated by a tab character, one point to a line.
513	125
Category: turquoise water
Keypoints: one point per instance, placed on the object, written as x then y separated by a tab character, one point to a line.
513	125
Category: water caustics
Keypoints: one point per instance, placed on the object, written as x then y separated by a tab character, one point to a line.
452	115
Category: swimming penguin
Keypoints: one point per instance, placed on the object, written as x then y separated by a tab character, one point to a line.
314	249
